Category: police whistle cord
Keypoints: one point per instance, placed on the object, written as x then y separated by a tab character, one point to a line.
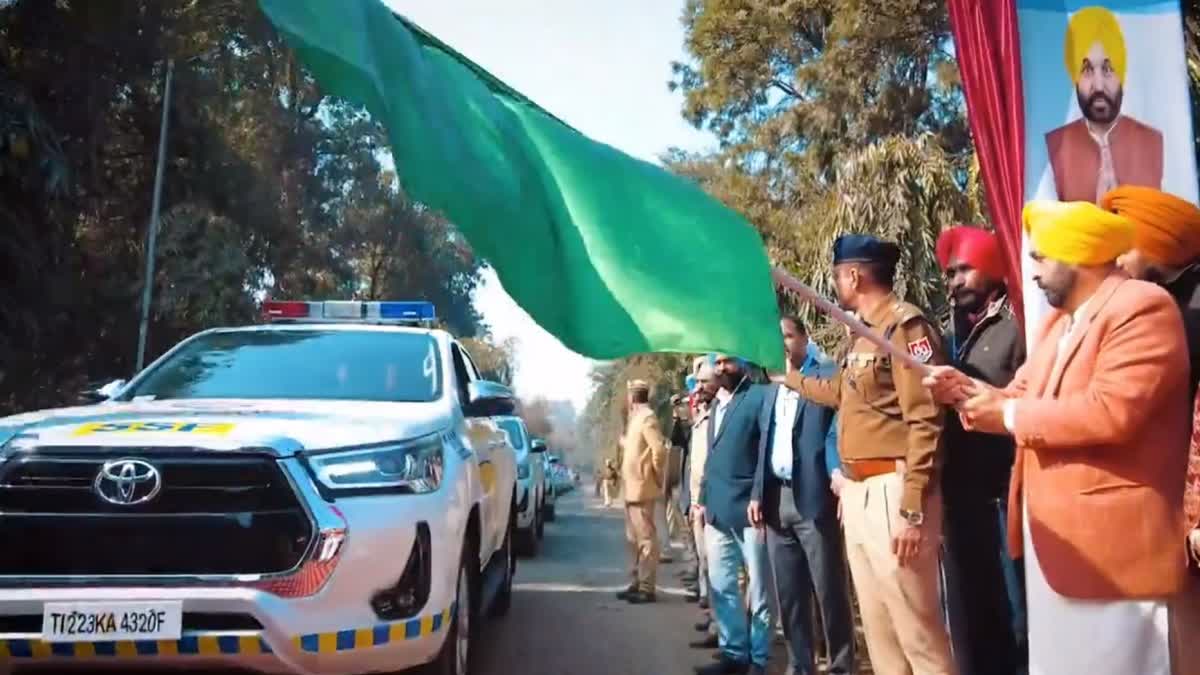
801	290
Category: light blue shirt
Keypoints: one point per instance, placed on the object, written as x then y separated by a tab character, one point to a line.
786	403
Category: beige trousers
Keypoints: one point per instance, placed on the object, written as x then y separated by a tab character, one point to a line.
607	488
643	545
901	608
701	556
1184	622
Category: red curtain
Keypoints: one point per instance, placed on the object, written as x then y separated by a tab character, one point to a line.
988	46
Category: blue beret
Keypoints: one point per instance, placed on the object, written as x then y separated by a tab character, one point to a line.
865	249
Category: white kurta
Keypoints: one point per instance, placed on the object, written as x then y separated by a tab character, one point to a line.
1069	637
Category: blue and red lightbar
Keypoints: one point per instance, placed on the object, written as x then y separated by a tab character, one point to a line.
407	312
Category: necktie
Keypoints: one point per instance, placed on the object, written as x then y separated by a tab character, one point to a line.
1107	179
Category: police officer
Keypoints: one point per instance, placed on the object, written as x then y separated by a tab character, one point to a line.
643	474
889	430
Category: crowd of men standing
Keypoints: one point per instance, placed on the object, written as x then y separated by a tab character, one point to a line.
998	512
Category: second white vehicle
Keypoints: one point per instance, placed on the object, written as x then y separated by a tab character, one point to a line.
533	486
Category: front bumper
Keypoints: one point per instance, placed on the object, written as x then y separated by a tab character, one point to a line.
334	631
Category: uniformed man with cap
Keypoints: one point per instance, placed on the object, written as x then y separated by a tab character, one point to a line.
644	475
889	431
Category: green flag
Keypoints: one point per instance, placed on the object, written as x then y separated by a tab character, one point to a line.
612	255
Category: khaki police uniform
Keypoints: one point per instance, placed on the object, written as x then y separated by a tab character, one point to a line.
889	431
643	474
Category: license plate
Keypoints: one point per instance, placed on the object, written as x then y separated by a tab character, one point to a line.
108	621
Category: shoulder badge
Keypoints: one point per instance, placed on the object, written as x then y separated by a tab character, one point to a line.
921	349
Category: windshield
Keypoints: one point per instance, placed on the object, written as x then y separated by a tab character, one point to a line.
299	364
515	435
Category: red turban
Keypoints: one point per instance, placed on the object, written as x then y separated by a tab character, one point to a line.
973	245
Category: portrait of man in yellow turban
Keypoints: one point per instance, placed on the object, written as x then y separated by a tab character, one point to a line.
1104	148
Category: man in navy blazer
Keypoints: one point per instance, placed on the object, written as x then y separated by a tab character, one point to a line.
793	497
735	431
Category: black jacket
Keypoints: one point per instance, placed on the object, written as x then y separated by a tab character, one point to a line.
1185	288
978	465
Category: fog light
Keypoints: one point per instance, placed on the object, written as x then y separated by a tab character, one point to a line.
410	593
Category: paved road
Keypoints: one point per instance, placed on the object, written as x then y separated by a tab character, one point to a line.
565	618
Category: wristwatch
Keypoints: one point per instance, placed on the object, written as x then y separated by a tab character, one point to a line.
914	518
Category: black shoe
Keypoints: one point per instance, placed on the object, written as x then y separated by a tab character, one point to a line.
702	627
624	595
710	642
724	666
641	598
703	603
692	598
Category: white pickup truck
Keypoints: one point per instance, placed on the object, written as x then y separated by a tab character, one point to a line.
325	493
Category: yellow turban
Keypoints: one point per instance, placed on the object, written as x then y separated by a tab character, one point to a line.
1087	27
1167	228
1076	233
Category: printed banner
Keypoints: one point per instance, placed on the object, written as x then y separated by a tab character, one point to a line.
1106	104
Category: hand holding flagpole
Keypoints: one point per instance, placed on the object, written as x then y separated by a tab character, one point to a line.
797	287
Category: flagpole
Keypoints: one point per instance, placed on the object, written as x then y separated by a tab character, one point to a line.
801	290
152	242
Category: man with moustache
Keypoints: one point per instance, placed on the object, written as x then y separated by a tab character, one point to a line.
734	431
986	593
1100	417
1166	251
1104	148
793	499
889	440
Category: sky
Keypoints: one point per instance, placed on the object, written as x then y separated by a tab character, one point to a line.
601	67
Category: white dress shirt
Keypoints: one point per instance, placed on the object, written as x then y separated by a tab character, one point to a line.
723	398
786	403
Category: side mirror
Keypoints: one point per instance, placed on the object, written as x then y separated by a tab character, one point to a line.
537	448
489	399
105	393
111	389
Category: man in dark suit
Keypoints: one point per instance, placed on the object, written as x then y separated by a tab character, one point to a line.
794	499
734	432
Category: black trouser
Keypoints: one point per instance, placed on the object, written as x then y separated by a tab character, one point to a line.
809	556
985	590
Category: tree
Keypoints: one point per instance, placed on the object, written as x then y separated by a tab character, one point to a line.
603	419
271	188
494	361
786	86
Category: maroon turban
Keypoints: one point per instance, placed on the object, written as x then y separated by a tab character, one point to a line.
975	246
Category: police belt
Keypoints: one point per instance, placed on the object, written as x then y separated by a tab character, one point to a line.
862	469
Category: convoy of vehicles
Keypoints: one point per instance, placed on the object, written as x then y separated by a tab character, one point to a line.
334	491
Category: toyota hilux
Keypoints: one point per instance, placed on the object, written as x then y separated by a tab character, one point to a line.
326	492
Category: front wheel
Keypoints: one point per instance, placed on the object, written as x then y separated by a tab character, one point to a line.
503	601
455	655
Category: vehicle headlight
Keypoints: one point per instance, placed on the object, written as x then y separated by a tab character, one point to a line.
415	465
523	471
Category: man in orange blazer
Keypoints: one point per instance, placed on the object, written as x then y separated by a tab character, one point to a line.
1102	149
1100	417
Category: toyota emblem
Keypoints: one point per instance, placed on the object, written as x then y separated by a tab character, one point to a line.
126	482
